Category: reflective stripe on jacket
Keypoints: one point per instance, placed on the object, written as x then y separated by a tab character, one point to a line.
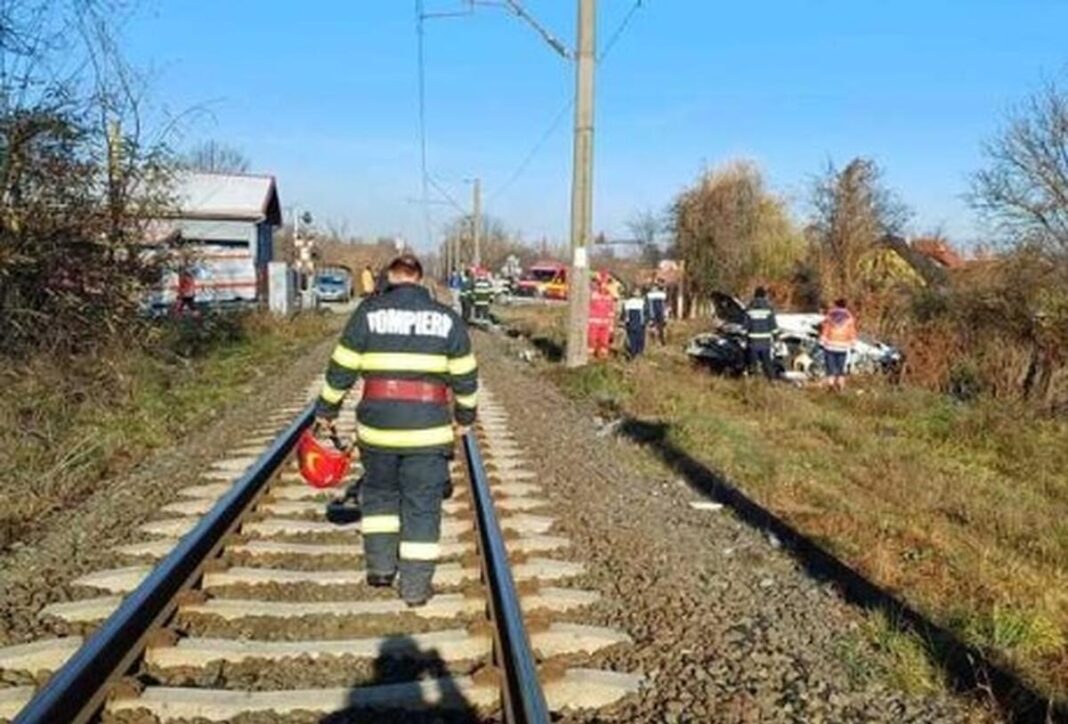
838	333
483	292
404	334
656	305
760	323
634	312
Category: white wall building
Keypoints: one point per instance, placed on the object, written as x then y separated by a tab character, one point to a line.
223	232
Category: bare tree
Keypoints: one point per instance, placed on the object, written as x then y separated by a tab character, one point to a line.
1024	189
212	156
495	246
853	212
78	179
645	226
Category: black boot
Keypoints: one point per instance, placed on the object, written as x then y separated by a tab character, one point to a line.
380	580
416	593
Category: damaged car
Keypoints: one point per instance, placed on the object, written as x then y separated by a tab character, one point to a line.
798	355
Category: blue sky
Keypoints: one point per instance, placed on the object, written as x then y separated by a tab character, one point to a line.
324	95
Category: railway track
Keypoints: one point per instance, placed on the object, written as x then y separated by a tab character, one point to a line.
242	600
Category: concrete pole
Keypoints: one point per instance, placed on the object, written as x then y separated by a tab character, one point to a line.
582	188
476	221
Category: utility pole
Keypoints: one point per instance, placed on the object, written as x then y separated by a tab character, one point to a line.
582	188
476	223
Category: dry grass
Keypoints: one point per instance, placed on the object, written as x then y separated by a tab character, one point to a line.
962	509
68	424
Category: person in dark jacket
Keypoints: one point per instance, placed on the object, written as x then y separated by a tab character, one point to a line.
467	294
656	310
761	329
420	377
633	316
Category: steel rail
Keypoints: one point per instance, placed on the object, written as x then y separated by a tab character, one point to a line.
78	689
523	701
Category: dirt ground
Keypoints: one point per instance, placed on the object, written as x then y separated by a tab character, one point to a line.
726	627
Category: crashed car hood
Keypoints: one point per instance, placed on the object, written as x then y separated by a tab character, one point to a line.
800	325
729	309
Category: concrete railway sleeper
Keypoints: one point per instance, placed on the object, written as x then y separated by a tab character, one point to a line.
242	599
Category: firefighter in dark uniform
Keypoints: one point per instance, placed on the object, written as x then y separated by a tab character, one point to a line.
420	376
483	295
656	310
467	294
761	329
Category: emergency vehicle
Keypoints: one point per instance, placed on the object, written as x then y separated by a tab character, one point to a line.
540	277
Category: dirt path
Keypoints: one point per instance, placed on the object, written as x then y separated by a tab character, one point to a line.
82	539
726	627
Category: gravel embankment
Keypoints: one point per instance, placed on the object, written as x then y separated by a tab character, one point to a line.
82	540
726	627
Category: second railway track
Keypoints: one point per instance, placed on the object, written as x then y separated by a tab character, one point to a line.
243	600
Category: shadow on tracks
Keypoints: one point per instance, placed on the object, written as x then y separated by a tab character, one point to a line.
402	663
969	668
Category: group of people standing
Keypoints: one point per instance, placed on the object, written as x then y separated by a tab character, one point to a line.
838	335
642	311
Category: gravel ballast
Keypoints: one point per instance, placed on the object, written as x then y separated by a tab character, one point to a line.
726	627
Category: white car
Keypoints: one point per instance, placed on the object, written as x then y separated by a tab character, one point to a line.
797	349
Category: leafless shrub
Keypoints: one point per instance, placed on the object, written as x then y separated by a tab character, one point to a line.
214	157
77	179
1024	188
496	243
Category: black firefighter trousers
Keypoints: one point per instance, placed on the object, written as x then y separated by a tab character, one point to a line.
401	525
760	356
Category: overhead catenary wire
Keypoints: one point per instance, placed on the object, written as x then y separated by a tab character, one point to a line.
618	32
515	7
532	154
554	125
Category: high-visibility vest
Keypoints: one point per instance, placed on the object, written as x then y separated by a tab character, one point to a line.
838	333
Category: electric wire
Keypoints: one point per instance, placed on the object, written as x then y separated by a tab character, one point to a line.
618	32
528	159
532	154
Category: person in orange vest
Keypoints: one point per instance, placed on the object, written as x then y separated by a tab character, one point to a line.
838	334
602	317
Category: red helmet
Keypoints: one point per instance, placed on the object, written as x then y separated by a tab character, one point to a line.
321	466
